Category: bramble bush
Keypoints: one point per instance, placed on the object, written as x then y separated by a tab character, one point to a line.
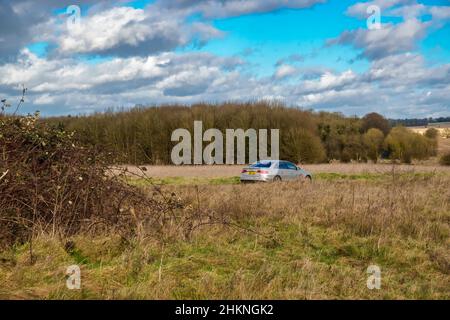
445	159
51	184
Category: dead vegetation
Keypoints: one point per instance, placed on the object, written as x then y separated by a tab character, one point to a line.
289	241
49	184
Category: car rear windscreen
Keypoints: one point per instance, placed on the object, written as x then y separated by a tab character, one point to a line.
261	165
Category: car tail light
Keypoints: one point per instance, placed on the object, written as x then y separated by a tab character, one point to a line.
263	171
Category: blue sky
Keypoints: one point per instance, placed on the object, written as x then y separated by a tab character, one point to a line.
314	54
273	36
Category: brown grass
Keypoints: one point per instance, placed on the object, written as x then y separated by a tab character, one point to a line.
280	241
443	146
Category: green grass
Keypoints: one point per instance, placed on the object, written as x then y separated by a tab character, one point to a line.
375	176
313	242
184	181
318	176
307	262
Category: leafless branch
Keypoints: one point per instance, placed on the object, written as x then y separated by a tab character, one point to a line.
4	175
22	100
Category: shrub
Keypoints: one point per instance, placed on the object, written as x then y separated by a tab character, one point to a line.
445	159
373	140
377	121
405	145
353	148
50	184
432	133
300	146
346	156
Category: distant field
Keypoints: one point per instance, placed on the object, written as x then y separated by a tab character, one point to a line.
223	173
218	174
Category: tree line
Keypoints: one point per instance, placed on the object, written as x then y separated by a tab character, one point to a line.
418	122
142	135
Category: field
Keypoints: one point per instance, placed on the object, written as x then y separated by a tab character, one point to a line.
224	171
223	175
444	145
285	240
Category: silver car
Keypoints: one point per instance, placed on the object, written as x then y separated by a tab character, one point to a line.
273	170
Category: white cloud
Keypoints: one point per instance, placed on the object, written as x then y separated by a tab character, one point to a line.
390	39
359	9
410	11
126	31
77	84
440	12
395	85
328	81
231	8
285	71
44	99
145	69
407	70
105	30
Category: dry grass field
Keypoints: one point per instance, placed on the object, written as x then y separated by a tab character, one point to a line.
270	241
443	145
227	171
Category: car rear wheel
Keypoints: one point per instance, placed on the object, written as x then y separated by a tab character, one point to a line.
276	179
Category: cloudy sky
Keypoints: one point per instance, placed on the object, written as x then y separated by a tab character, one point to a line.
316	54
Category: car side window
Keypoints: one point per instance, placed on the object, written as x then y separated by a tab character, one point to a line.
291	166
283	165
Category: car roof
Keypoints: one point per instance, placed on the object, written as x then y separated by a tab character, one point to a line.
275	161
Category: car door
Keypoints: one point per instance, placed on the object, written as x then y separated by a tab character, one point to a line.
302	173
283	170
292	171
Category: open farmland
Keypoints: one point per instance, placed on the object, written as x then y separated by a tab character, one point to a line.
444	145
223	174
262	241
218	171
